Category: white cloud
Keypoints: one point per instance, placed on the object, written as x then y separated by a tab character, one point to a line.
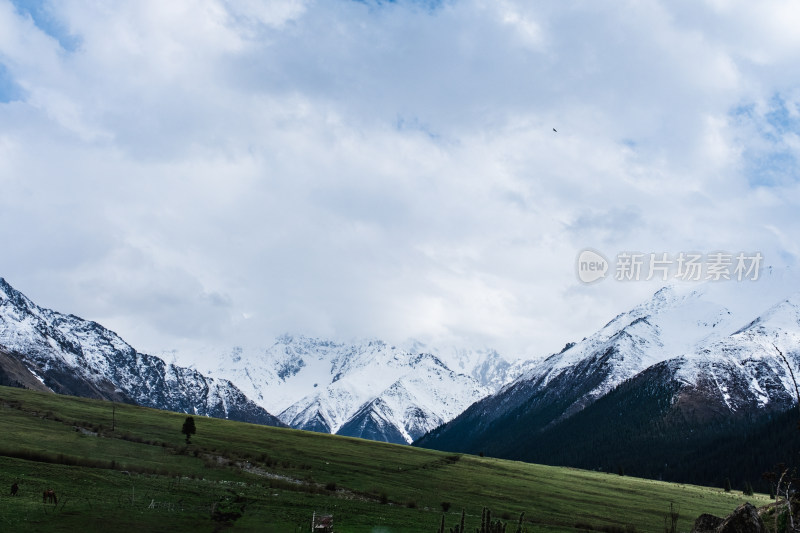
205	172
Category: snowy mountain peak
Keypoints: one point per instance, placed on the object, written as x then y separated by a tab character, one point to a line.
69	355
675	320
384	389
700	352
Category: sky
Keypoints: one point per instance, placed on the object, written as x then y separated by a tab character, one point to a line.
199	174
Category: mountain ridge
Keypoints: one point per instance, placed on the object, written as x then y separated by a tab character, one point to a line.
69	355
700	357
365	389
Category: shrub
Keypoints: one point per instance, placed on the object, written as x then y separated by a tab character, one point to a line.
783	521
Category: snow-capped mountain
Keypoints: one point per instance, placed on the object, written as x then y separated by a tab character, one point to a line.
485	365
369	389
751	368
689	358
47	350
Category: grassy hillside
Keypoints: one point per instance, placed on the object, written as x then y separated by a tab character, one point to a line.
142	475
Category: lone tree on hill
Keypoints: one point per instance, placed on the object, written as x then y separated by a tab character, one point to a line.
188	428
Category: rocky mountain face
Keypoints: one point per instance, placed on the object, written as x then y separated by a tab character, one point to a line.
368	389
660	388
46	350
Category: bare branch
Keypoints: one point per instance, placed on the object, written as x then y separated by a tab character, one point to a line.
791	373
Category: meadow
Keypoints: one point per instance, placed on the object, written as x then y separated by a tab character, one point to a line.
121	466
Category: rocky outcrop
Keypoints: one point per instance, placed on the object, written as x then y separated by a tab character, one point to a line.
706	523
744	519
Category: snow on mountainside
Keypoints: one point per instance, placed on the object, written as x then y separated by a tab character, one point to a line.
748	369
485	365
719	341
368	389
419	401
677	320
69	355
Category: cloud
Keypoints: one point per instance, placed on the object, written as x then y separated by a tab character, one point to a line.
9	90
208	173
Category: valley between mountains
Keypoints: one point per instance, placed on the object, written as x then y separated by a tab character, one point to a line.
671	389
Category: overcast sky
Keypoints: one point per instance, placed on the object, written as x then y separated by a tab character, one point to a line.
206	173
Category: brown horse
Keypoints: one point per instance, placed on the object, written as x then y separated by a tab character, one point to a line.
49	496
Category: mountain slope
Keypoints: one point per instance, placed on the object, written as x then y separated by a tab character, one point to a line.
13	373
689	362
68	355
365	473
656	426
421	400
368	389
565	383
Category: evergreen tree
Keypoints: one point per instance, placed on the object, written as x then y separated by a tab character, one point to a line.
188	428
727	484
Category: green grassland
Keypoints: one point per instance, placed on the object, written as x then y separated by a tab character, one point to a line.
244	477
